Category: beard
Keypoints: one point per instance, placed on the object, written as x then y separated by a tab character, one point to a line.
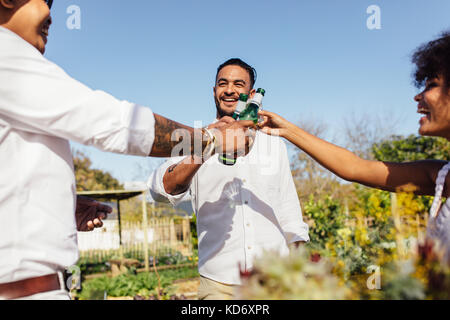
222	113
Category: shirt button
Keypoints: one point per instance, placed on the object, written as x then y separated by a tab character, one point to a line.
249	247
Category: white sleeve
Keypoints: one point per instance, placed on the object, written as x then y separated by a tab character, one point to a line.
290	212
156	185
39	97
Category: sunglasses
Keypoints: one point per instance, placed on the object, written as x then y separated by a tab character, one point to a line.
49	3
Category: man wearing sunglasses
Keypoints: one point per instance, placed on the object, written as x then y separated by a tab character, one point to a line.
41	109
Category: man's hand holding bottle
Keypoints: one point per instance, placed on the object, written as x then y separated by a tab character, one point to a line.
231	136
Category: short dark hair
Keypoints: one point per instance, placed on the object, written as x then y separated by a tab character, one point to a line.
238	62
432	59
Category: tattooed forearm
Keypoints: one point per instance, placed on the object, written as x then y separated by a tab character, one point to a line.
163	144
171	168
165	140
178	177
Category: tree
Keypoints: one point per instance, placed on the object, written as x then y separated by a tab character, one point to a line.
310	177
89	179
359	133
362	131
411	148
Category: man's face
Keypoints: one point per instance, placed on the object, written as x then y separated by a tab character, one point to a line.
231	81
30	19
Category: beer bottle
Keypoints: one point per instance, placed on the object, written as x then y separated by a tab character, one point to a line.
229	159
251	112
241	105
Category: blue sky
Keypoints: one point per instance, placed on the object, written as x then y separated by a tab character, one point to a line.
316	59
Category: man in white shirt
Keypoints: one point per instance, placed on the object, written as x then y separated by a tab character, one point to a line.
41	109
242	209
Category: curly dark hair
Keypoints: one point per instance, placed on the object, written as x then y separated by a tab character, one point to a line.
238	62
432	59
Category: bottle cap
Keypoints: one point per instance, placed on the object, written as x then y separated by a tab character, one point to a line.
262	91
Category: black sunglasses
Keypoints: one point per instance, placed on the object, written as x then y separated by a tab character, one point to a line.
49	3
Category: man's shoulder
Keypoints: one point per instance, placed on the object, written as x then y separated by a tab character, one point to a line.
11	42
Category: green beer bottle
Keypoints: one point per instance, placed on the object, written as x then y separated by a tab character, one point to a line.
241	105
229	159
251	112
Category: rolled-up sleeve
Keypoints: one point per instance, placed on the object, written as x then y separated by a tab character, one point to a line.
289	211
39	97
156	185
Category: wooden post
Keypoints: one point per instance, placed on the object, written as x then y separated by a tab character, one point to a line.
187	235
172	234
398	226
144	227
120	230
347	212
184	228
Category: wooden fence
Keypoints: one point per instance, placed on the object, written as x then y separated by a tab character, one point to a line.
164	235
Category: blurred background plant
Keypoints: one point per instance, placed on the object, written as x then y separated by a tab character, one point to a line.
141	286
365	243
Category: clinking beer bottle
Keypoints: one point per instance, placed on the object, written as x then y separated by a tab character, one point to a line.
241	105
229	159
249	113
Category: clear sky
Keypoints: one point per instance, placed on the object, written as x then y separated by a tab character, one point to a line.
316	58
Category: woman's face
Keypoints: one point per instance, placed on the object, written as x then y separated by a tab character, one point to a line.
434	104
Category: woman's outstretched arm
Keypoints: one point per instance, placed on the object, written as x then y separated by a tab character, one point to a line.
418	177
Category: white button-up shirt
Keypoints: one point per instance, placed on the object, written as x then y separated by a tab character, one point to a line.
241	209
41	108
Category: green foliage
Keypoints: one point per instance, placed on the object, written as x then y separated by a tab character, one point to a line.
399	282
327	216
172	259
341	232
143	284
89	179
292	277
352	229
131	210
412	148
100	263
194	236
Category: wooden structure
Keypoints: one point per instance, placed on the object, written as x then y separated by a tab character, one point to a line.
117	196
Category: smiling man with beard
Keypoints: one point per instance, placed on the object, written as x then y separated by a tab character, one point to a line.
41	109
242	209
